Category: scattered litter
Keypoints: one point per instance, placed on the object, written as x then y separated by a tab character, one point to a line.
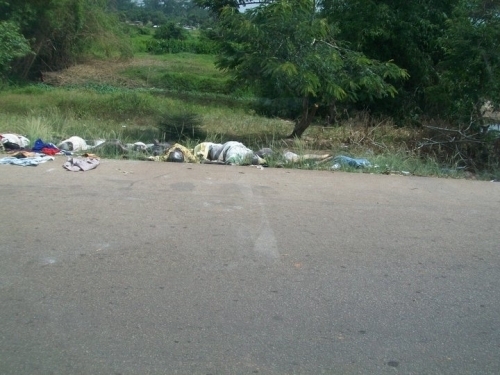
45	148
81	164
343	161
98	142
26	161
232	152
113	146
24	154
391	172
12	141
291	157
175	156
264	152
201	150
73	144
137	146
90	155
175	152
258	167
237	153
159	148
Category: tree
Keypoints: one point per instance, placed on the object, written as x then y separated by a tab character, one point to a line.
62	31
121	5
217	6
470	68
406	32
13	45
170	31
286	49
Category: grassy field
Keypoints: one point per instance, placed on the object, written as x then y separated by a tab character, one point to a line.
182	97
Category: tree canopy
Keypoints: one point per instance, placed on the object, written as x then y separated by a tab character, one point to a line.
405	59
470	67
12	44
61	31
446	46
286	49
449	48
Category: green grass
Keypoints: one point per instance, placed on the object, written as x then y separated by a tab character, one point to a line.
182	72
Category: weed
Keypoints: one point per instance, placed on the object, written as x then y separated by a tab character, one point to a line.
180	126
37	127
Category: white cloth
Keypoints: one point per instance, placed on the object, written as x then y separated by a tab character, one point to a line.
73	144
19	140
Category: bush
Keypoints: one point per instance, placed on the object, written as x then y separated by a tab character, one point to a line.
181	126
12	44
170	31
158	47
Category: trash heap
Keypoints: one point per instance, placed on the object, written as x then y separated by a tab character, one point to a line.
82	155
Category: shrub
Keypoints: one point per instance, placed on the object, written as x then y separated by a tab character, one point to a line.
12	44
170	31
158	47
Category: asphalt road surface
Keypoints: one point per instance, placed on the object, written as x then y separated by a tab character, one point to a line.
166	268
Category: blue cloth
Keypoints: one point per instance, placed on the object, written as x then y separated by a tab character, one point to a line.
352	162
39	145
32	161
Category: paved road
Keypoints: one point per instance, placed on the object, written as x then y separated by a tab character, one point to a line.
164	268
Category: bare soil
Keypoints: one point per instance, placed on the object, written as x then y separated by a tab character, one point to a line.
99	71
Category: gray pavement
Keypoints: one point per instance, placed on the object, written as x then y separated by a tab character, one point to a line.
165	268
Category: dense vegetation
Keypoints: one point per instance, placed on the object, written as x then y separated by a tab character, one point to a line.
427	65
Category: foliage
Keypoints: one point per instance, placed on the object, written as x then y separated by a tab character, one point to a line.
170	31
217	6
181	126
285	50
405	32
177	46
470	68
12	44
62	31
155	12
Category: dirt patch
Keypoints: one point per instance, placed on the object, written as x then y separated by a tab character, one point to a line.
101	72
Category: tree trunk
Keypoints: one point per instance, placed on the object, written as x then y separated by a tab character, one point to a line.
304	120
333	116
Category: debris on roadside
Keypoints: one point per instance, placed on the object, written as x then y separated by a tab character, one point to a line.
12	141
45	148
232	152
73	144
228	153
81	164
346	161
26	160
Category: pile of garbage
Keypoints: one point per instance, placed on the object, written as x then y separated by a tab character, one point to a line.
229	153
42	152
